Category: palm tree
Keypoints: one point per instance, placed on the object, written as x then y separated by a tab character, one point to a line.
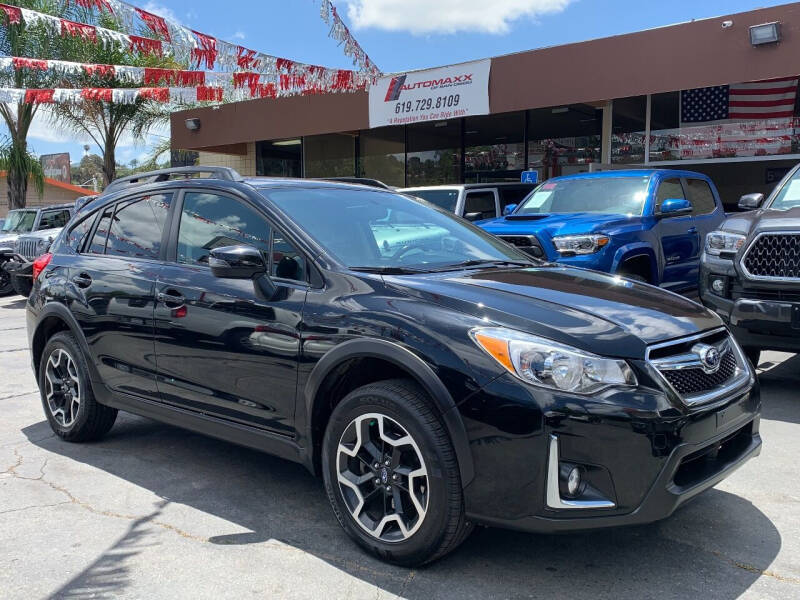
22	40
14	158
104	122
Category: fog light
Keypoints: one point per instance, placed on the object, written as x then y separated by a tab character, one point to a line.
718	284
574	482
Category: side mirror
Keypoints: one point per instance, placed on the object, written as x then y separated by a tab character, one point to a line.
751	201
510	208
674	207
473	216
236	262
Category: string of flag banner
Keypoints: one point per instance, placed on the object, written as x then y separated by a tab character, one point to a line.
164	95
341	34
252	84
263	75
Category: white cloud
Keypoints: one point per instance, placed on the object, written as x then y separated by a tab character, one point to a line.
239	35
160	10
447	16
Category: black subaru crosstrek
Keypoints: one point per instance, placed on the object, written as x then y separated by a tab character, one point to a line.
435	376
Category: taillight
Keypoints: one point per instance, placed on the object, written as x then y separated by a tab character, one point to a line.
40	264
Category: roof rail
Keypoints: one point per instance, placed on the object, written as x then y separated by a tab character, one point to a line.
224	173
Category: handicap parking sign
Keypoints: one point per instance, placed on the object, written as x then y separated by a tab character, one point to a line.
530	177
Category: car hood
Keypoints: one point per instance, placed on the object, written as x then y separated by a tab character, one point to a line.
596	312
555	224
764	220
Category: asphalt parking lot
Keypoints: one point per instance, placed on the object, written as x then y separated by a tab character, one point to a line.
156	512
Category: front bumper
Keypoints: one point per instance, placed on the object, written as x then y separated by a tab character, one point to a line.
641	452
755	316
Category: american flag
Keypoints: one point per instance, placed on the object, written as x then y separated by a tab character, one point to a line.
767	99
741	119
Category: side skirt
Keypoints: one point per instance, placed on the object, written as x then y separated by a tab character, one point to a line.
277	445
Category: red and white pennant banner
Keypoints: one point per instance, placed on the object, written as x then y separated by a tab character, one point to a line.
191	47
114	95
352	48
236	85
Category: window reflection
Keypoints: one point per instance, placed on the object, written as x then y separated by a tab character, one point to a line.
434	153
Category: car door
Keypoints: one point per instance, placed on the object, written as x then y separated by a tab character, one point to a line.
679	239
222	347
706	208
111	290
481	204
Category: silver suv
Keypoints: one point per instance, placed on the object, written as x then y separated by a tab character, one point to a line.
473	201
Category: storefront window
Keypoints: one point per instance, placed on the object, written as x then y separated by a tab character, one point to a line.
331	155
564	139
727	121
628	130
382	155
281	158
494	148
434	153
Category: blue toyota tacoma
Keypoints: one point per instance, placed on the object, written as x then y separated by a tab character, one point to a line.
644	224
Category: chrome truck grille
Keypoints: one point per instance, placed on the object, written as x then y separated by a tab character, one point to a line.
773	256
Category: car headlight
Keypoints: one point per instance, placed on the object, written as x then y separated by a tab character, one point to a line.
580	244
724	241
43	244
542	362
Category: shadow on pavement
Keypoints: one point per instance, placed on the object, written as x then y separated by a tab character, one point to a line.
779	387
16	304
719	544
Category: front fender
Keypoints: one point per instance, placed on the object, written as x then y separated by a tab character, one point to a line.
632	250
416	368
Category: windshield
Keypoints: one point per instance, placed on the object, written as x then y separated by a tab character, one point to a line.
19	221
606	195
380	230
789	195
446	199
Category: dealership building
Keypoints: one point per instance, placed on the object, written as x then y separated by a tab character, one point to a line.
717	95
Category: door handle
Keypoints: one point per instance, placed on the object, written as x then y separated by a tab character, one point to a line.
171	299
692	230
82	280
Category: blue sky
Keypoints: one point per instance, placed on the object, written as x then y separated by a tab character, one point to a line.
408	34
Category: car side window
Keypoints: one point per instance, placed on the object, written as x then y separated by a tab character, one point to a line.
53	219
668	189
287	262
480	202
98	245
137	227
701	197
211	221
77	235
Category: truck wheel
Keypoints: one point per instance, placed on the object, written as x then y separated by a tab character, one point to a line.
69	403
6	286
22	285
753	355
392	476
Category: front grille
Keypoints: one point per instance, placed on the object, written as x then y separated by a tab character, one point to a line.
701	368
27	248
695	381
527	243
774	256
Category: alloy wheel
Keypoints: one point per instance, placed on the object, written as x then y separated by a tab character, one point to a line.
62	387
382	477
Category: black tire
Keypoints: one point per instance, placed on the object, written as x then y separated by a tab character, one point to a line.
92	420
444	526
753	355
6	285
22	285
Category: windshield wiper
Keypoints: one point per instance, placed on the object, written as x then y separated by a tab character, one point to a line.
388	270
484	263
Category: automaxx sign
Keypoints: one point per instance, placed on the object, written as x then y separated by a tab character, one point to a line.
430	95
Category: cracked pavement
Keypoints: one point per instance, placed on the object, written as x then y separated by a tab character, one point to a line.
153	511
